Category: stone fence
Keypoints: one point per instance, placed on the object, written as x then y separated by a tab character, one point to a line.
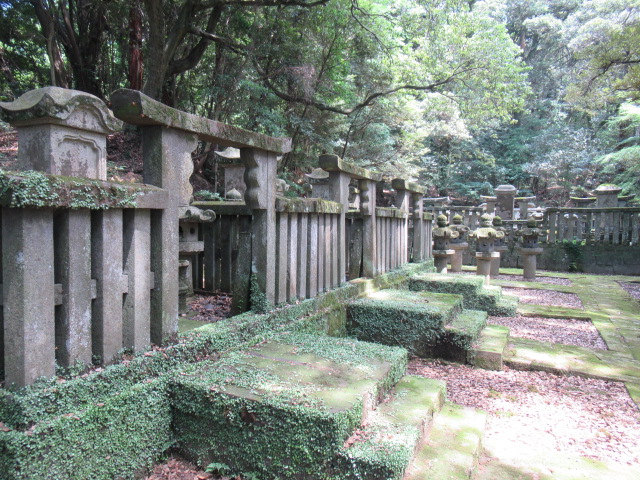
317	243
89	267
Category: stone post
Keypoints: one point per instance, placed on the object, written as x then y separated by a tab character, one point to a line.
405	198
490	207
260	197
339	192
505	197
61	132
523	206
419	239
369	238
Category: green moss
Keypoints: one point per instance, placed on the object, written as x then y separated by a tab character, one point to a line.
36	189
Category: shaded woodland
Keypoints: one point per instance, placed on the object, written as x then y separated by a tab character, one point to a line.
459	95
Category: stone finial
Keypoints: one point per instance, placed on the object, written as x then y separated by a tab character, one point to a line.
61	132
234	195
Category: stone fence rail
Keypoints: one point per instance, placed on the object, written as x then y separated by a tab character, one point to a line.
89	267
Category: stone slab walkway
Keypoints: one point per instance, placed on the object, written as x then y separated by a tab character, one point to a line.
613	312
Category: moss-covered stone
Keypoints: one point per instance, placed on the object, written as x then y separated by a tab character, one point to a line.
281	410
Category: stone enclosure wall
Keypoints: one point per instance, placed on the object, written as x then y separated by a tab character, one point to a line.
89	267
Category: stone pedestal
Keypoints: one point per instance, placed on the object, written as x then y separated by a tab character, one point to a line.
456	258
529	261
484	260
441	259
495	262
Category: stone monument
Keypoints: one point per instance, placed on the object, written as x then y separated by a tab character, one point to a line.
505	199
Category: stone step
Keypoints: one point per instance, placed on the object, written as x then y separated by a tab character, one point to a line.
476	295
461	334
285	406
454	444
488	351
413	320
385	445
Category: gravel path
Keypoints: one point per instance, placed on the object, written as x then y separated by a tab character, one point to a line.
574	415
632	289
551	280
544	297
567	331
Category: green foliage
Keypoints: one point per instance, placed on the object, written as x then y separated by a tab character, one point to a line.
574	249
208	196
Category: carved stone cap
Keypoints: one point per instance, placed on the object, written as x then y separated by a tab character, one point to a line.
607	189
136	108
59	106
333	163
195	214
317	174
506	189
400	184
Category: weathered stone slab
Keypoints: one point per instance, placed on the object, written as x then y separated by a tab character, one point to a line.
106	268
137	265
333	163
400	184
28	291
73	272
138	109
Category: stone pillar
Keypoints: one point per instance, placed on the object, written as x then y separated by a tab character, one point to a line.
456	258
529	261
28	294
523	206
418	228
369	238
167	164
490	207
505	197
484	259
404	200
339	192
260	197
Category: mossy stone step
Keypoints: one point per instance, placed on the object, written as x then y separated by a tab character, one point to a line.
466	327
453	446
488	351
476	295
281	410
385	445
413	320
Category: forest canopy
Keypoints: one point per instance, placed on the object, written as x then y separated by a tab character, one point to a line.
460	95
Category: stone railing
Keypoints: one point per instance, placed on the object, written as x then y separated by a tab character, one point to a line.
318	242
90	267
604	226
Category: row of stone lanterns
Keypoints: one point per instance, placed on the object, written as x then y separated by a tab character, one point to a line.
449	243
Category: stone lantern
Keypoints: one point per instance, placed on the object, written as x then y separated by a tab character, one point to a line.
459	244
500	246
442	236
189	247
486	237
530	248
